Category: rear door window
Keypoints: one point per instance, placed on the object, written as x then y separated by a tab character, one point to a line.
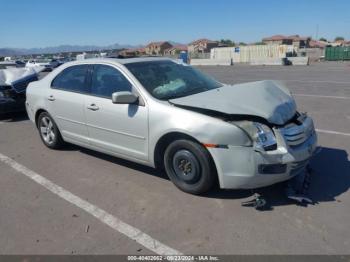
72	79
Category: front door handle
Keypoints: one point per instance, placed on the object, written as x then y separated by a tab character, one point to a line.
93	107
51	98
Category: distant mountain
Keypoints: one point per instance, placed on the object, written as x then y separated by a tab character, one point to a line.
60	49
11	51
66	48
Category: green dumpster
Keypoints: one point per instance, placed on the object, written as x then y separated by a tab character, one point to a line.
338	53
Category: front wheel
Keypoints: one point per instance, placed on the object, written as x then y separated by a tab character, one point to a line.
189	166
49	132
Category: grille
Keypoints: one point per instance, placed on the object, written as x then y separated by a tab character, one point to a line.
294	135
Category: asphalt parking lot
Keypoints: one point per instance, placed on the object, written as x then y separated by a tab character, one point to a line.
37	217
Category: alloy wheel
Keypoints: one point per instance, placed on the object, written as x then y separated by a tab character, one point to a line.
47	130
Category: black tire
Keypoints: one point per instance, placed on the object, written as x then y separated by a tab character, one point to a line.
189	166
55	141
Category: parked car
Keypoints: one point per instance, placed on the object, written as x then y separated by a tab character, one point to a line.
164	113
11	64
47	64
20	63
56	63
8	64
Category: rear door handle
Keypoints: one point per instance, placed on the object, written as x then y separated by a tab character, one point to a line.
51	98
93	107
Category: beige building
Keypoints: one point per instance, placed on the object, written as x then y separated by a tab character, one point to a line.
295	40
202	46
132	52
175	50
340	43
317	44
157	48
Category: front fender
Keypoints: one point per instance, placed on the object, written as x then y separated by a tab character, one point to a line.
165	119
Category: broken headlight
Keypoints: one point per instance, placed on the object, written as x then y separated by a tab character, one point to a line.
262	135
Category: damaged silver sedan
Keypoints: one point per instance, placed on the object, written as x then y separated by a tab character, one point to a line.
166	114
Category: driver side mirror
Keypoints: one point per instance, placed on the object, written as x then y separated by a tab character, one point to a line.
124	97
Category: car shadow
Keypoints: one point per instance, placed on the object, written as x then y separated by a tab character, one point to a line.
118	161
14	117
330	178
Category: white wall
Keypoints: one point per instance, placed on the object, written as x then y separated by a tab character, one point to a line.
212	62
299	60
266	61
247	54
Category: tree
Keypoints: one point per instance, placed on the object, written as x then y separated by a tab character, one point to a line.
242	43
323	39
227	42
339	38
259	43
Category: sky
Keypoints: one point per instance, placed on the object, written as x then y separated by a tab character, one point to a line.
43	23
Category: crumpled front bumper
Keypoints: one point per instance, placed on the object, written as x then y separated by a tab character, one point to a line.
238	166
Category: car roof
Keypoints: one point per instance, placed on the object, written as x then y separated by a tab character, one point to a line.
120	60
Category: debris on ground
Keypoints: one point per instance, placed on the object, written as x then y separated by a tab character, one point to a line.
297	188
258	202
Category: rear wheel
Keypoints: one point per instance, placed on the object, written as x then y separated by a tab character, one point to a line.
49	132
189	166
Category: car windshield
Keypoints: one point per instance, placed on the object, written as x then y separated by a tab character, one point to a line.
167	79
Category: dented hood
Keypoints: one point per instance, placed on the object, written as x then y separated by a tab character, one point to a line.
17	78
267	99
